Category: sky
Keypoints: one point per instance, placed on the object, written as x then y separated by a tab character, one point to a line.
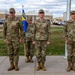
56	7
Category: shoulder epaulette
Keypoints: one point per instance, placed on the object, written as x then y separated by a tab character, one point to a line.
70	21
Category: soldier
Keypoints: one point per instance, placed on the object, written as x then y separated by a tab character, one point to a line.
12	38
70	40
29	39
42	39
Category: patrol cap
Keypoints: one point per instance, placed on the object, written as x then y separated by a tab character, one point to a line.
29	18
41	11
72	12
12	10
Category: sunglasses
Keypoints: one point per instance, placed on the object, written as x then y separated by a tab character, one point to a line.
41	12
11	12
72	13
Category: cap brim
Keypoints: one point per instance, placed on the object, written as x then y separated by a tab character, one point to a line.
72	13
41	12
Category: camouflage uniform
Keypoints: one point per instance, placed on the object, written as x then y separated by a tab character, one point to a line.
42	35
70	37
11	34
29	39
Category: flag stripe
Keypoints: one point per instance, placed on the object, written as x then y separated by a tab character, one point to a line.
24	22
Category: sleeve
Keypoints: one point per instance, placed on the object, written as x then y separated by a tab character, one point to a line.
4	29
65	31
21	29
33	32
49	31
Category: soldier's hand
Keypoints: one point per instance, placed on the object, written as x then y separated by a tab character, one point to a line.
48	42
5	40
66	41
20	40
33	42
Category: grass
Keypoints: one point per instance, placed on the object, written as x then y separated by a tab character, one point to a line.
55	48
57	42
3	49
1	34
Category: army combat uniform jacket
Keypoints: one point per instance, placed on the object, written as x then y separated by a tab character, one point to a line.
29	38
69	30
42	35
13	31
42	30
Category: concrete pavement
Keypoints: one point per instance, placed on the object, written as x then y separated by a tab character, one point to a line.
56	65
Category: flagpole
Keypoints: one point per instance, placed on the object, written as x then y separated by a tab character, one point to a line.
22	7
67	18
24	38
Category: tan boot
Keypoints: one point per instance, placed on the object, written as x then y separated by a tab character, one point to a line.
16	66
69	66
39	66
11	66
73	68
31	59
27	60
42	66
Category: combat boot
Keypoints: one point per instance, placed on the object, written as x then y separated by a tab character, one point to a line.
16	66
27	60
31	59
69	66
42	67
39	66
11	66
73	68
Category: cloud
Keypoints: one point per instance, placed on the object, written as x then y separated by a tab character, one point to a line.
4	4
53	6
2	1
5	1
57	15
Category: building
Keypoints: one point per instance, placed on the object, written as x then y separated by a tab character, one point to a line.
34	15
64	16
3	14
48	15
58	19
